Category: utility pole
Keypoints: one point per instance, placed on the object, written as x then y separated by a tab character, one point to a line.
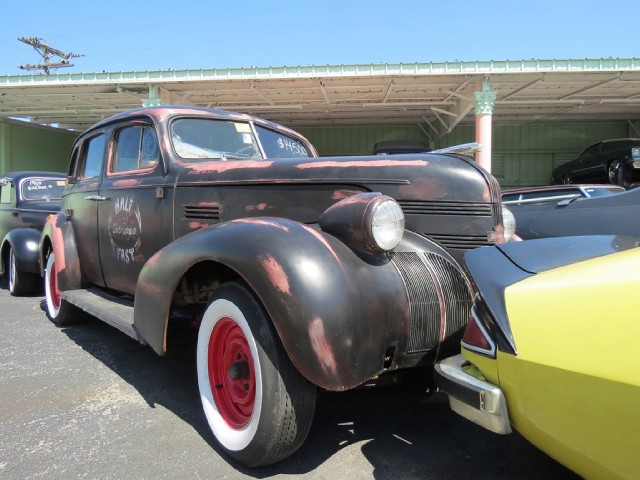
46	52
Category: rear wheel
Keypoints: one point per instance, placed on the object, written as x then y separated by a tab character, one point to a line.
258	406
59	310
615	171
20	283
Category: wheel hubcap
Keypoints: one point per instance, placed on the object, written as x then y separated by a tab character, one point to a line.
231	373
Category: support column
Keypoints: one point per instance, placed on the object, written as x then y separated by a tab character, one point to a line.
484	103
154	99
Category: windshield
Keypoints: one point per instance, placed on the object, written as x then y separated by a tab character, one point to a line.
42	189
213	139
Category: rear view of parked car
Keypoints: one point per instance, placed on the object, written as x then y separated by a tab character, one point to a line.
26	200
551	349
614	161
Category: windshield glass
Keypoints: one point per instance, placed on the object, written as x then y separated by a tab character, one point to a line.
195	138
42	189
278	145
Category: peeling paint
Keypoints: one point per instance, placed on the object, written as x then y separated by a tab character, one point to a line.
364	163
276	273
321	346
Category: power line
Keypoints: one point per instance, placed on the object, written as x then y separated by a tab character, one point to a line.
47	52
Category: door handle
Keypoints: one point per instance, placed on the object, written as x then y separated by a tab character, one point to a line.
96	198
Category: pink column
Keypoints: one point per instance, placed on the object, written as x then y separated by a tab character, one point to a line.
484	103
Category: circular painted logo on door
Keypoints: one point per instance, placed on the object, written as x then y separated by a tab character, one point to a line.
125	227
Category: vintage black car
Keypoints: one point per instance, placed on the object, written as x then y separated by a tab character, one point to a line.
297	270
615	161
608	215
26	200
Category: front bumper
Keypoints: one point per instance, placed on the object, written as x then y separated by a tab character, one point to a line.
474	399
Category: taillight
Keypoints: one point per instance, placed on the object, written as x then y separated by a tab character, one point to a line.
476	338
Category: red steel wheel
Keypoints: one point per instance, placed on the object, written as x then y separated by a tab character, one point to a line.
231	373
258	406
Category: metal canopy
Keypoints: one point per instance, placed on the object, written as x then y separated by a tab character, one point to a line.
435	96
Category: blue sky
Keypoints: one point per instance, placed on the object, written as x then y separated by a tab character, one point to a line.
131	35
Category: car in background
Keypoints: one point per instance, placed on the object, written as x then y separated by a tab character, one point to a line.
607	215
26	200
551	349
557	193
615	161
393	147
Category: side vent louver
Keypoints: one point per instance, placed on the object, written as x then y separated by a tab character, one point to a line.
197	212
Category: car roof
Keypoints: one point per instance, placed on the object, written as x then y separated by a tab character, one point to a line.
19	175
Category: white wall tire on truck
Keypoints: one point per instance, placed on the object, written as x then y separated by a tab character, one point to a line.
59	311
258	406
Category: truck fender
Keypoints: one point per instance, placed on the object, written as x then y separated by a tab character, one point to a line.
24	242
58	237
336	313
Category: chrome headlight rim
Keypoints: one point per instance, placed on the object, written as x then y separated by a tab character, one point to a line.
385	223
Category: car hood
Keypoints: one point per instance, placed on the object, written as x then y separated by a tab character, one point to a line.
535	256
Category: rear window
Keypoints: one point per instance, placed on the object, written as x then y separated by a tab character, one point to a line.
42	189
278	145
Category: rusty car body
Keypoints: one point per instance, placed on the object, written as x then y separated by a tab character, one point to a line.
300	272
26	200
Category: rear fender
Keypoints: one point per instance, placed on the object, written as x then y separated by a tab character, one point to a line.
336	313
58	237
24	242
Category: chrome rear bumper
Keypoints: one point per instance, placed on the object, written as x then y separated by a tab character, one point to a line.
474	399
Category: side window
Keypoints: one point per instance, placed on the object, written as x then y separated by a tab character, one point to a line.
278	145
6	194
136	148
92	156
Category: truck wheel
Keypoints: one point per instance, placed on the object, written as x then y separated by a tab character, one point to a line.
258	406
20	283
59	311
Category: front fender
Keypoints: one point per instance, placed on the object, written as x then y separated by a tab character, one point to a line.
24	243
337	314
58	236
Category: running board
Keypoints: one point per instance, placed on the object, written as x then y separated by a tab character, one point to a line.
112	310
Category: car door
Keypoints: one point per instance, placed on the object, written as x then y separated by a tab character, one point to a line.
591	167
80	202
133	221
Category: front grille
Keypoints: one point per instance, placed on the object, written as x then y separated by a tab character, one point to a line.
459	241
439	297
197	212
446	208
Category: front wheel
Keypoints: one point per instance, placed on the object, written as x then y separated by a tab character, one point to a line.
59	310
20	283
258	406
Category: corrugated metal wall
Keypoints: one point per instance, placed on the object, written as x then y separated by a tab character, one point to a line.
33	147
523	155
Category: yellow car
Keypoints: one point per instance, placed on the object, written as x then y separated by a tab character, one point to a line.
552	348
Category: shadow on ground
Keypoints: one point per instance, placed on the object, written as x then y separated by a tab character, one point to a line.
400	435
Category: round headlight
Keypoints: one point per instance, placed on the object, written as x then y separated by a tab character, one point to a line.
368	222
509	223
387	224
